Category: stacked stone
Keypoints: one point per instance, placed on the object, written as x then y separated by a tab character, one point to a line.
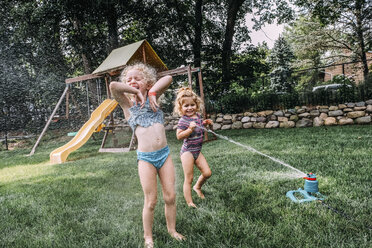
304	116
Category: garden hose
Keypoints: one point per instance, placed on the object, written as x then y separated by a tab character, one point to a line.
348	217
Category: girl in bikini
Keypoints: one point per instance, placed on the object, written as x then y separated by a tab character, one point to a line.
188	106
146	119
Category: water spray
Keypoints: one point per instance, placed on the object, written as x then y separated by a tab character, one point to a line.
301	174
311	189
311	186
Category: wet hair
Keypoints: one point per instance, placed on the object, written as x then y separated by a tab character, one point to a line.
183	93
149	73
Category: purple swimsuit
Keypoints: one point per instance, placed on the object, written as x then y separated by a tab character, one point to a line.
194	142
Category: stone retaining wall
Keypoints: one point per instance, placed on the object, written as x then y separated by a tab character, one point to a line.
342	114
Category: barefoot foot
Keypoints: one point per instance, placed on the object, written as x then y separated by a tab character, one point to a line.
191	204
149	244
177	236
199	192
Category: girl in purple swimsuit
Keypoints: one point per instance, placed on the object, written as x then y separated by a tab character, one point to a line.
137	95
190	129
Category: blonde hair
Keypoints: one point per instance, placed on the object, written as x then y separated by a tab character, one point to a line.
149	73
182	93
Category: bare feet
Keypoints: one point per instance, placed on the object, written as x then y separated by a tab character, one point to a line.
177	236
199	192
149	244
191	204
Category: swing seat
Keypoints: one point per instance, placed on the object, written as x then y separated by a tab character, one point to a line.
56	118
99	128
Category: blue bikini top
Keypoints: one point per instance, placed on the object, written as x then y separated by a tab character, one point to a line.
144	117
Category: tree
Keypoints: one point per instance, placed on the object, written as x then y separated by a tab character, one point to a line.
188	16
249	66
280	60
349	25
263	11
232	12
32	65
305	37
49	41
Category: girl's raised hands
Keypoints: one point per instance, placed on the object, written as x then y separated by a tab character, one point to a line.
139	99
192	125
207	122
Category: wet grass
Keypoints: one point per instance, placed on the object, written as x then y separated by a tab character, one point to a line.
95	199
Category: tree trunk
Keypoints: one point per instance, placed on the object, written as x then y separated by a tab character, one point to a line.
112	25
198	40
232	10
92	89
359	31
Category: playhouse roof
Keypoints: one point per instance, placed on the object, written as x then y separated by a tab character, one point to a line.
140	51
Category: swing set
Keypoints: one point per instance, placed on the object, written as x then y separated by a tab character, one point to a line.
109	69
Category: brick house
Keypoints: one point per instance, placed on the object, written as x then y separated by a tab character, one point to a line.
355	70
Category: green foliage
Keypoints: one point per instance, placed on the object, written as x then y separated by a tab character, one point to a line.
234	102
280	79
345	27
249	64
305	35
31	65
246	69
262	97
266	98
280	59
348	91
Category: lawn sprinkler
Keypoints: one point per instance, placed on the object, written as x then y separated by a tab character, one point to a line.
310	191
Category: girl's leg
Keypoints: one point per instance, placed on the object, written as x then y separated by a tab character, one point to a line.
147	174
188	170
167	178
206	173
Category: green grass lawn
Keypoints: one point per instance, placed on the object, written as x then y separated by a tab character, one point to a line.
95	199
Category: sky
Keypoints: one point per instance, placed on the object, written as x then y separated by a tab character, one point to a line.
269	33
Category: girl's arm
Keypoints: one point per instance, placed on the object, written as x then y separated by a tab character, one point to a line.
118	90
161	85
157	90
183	134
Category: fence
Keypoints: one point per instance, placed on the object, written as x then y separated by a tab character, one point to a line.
344	93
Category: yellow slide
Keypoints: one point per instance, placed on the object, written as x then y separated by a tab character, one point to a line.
60	155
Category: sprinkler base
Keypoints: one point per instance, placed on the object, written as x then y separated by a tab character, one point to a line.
307	197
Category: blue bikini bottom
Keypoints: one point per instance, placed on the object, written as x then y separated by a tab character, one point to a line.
156	158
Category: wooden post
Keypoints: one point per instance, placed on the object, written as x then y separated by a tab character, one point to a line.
144	54
201	90
67	103
104	138
6	139
107	87
112	120
109	97
189	76
49	120
202	97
